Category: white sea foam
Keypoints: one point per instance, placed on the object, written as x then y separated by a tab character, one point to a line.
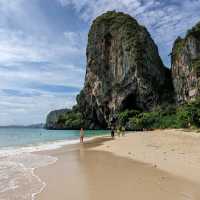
17	177
4	152
17	165
39	147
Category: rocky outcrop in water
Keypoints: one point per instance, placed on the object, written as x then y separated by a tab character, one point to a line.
65	119
186	66
52	121
124	70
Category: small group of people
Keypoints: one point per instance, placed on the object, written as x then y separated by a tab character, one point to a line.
120	131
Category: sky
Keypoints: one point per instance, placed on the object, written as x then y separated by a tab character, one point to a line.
43	44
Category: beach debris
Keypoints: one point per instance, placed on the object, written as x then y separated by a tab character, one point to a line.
172	149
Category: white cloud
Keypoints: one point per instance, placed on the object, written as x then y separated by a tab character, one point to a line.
26	110
165	19
33	52
16	46
17	73
89	9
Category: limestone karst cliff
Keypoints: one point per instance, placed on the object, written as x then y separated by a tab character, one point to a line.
124	70
186	66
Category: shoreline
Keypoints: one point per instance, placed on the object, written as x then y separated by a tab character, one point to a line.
89	142
60	145
40	147
168	158
19	165
106	147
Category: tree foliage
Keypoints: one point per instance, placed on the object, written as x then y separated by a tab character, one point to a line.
185	116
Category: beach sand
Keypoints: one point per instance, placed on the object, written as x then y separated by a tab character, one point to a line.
148	165
174	151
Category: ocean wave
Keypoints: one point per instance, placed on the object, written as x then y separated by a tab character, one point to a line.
4	152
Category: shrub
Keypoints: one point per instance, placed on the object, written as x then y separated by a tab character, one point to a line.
123	117
185	116
61	119
189	114
135	124
71	120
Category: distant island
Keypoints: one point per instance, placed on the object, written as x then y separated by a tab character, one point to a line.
41	125
127	84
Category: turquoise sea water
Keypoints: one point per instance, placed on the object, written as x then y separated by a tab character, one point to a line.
15	137
18	159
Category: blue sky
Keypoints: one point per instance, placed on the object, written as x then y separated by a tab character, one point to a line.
43	42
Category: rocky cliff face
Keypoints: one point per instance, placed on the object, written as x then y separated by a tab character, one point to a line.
124	70
186	66
52	121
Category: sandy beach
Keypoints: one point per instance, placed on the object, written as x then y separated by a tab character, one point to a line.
143	165
174	151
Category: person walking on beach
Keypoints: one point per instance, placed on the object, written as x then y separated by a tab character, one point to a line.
81	135
112	132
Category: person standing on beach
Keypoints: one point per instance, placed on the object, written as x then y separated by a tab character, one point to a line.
81	135
112	132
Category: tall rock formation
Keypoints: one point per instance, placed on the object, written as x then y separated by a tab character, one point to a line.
186	66
124	70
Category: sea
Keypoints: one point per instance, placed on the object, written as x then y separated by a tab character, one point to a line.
18	158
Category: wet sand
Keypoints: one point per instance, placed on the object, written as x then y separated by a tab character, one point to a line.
83	172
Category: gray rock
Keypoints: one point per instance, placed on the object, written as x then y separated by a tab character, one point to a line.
124	70
186	66
53	117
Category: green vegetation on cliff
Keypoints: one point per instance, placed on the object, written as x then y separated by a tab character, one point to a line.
195	31
185	116
65	119
178	47
115	21
195	65
168	116
71	119
181	43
